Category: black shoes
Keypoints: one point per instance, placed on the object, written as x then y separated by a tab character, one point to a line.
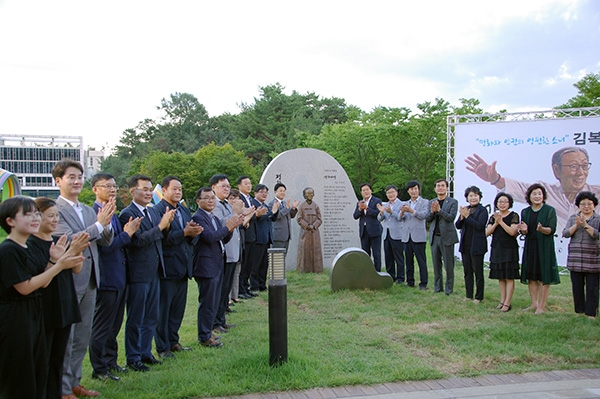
138	366
105	376
151	361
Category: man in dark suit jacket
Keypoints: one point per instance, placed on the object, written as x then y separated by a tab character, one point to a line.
369	227
248	237
76	217
264	238
110	299
178	253
209	261
283	213
443	236
146	263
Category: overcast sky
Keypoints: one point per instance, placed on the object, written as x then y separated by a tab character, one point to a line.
97	68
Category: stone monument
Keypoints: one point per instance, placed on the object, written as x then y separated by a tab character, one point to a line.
353	269
308	167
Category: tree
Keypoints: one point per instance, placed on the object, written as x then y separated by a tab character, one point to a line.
194	170
184	126
271	124
588	92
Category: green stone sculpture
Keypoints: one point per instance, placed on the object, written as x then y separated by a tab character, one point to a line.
353	269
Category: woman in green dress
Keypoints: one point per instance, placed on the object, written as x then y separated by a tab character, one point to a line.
539	268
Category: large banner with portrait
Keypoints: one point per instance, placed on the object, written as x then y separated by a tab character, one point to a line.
561	154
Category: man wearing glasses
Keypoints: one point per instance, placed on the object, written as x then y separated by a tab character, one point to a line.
110	299
146	261
209	261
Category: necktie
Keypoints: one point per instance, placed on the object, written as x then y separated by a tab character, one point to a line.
179	217
147	215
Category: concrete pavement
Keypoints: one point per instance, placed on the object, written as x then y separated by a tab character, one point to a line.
572	384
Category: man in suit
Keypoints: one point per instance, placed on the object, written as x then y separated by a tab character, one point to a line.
264	238
146	263
209	262
414	235
233	248
248	237
178	253
110	298
369	228
443	236
75	218
283	213
389	214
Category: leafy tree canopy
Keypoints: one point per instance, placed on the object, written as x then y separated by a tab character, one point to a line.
195	170
588	92
269	126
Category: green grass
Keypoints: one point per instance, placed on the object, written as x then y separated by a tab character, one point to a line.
366	337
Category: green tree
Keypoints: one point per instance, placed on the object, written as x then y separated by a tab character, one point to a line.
391	145
194	170
588	92
183	126
271	124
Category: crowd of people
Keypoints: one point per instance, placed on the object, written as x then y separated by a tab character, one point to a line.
401	226
69	272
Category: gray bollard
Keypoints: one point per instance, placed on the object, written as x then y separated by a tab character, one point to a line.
278	349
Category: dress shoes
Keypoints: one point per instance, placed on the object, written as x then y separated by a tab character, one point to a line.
211	343
235	300
166	355
80	390
253	293
229	310
151	360
118	369
178	348
229	326
220	329
138	366
215	337
245	296
105	376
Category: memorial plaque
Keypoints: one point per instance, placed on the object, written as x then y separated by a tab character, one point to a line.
308	167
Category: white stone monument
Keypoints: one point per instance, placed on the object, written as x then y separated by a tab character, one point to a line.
308	167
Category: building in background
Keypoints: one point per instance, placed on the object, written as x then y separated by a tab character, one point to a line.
31	159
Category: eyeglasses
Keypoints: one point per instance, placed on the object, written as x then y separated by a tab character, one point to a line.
33	215
586	204
575	167
107	186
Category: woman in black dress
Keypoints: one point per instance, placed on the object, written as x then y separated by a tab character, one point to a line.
23	368
61	308
503	226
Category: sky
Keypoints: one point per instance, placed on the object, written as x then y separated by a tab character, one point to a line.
94	69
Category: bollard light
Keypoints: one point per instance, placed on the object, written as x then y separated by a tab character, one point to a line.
278	351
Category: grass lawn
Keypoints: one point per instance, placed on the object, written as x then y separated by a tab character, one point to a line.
366	337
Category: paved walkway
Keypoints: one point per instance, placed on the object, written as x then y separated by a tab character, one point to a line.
571	384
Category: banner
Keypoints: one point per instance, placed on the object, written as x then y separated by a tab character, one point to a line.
561	154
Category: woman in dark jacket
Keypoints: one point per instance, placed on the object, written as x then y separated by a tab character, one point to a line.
473	243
